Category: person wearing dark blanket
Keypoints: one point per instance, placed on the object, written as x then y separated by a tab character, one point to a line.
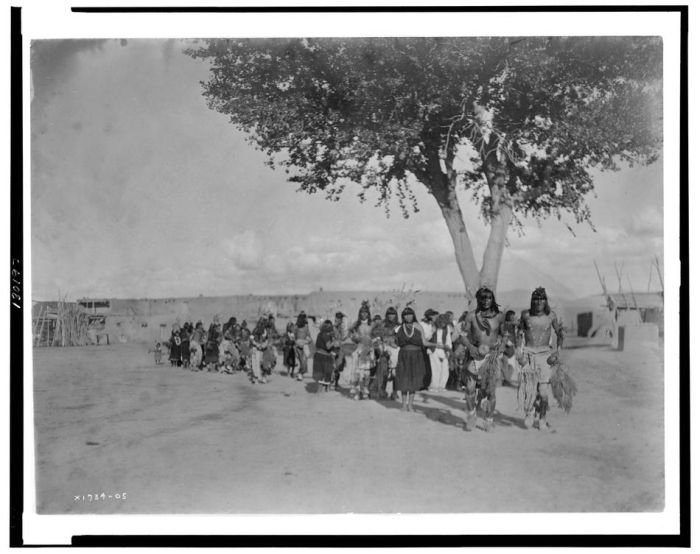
410	369
175	347
185	335
323	362
340	334
289	357
214	337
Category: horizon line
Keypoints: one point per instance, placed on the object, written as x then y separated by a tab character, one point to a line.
330	291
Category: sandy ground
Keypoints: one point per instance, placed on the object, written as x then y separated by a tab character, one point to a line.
108	420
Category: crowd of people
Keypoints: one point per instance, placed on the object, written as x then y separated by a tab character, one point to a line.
226	348
394	357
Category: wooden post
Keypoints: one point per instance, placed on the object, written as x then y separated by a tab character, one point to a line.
35	327
634	298
612	305
658	271
619	284
601	279
41	329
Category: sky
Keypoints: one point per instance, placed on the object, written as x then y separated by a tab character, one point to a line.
138	189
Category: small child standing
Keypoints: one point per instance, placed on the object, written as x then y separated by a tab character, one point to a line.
158	353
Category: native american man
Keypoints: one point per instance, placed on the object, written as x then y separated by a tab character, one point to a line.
540	328
484	335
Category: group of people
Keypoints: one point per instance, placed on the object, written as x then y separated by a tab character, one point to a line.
483	349
494	346
226	348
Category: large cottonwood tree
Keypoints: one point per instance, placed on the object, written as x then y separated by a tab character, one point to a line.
392	113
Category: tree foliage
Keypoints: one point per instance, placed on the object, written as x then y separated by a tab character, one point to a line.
385	113
374	111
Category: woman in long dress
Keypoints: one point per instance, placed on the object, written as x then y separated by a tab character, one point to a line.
323	362
363	357
245	348
259	344
211	358
289	355
185	335
439	360
269	360
410	369
196	341
175	347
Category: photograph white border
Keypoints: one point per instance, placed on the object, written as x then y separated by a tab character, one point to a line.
45	20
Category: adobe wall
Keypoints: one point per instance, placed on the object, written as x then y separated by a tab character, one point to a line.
148	320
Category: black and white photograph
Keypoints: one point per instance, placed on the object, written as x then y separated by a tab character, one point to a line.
311	270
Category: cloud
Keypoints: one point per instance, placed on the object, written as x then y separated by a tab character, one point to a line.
648	223
245	250
54	61
171	201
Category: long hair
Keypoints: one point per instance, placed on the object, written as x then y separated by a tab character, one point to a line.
391	310
538	293
405	311
301	320
364	308
483	291
229	324
260	328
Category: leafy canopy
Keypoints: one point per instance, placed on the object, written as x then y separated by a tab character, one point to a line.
377	111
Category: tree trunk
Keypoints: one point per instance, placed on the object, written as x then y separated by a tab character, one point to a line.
501	216
463	247
445	192
441	181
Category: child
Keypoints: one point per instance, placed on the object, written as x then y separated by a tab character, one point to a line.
157	353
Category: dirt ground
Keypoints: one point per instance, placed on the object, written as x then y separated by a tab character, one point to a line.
108	420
